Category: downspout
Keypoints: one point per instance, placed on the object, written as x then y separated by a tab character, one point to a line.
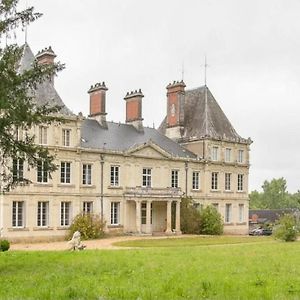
101	187
186	178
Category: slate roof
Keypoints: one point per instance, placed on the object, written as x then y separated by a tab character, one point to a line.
203	117
122	137
268	215
45	92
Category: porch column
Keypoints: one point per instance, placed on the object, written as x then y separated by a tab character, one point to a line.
138	215
177	225
148	217
169	214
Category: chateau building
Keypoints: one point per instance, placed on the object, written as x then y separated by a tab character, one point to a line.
131	175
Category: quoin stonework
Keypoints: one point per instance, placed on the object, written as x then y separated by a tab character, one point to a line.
134	176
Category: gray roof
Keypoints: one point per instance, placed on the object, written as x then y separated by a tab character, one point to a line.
123	137
203	117
45	92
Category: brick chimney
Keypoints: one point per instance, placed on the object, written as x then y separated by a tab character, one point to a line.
97	103
175	113
46	57
134	109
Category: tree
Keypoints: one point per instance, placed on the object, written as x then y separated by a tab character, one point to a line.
286	229
189	216
18	110
211	221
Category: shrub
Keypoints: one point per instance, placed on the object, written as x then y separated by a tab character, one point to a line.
286	229
210	221
89	225
189	216
4	245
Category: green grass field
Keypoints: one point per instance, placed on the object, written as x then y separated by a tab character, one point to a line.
186	268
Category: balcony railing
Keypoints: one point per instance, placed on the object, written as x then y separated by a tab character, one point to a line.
153	192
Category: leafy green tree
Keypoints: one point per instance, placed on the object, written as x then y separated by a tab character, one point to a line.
287	228
189	216
18	110
211	221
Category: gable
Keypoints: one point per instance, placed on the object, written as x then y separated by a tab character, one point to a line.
149	151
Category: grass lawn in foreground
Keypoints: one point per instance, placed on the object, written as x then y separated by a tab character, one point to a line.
264	269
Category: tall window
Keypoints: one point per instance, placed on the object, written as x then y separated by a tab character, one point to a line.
146	177
144	213
228	155
87	174
43	135
43	214
114	175
174	179
18	214
241	213
65	172
227	181
87	207
240	182
240	156
214	180
65	213
42	173
66	135
114	213
19	134
228	213
215	153
196	177
18	170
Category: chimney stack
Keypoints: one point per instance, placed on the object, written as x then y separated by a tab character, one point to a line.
134	109
97	94
46	57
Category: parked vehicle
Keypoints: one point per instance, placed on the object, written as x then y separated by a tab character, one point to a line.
261	231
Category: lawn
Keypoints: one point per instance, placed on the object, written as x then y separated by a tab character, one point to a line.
197	268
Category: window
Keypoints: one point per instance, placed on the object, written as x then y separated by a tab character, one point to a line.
42	173
43	135
114	213
114	175
227	181
65	213
228	155
87	207
86	174
144	213
196	177
18	169
240	156
215	152
214	180
241	213
18	214
228	208
146	177
216	206
43	214
174	179
240	182
65	172
19	134
66	134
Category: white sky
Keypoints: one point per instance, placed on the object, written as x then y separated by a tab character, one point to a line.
253	52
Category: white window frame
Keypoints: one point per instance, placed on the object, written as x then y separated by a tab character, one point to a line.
196	180
215	153
228	213
174	178
115	213
87	207
42	175
65	213
86	174
18	169
240	183
147	177
18	214
228	152
43	214
65	172
227	181
240	158
114	175
241	213
66	137
43	135
214	181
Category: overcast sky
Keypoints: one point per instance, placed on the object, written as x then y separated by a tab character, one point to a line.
252	48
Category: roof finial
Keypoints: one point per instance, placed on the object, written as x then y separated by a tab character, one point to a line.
182	71
26	24
205	67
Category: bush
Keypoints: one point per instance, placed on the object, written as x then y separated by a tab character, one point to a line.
210	221
189	216
89	225
286	229
4	245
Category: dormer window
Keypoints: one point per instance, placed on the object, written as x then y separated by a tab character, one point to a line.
66	136
43	135
215	153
